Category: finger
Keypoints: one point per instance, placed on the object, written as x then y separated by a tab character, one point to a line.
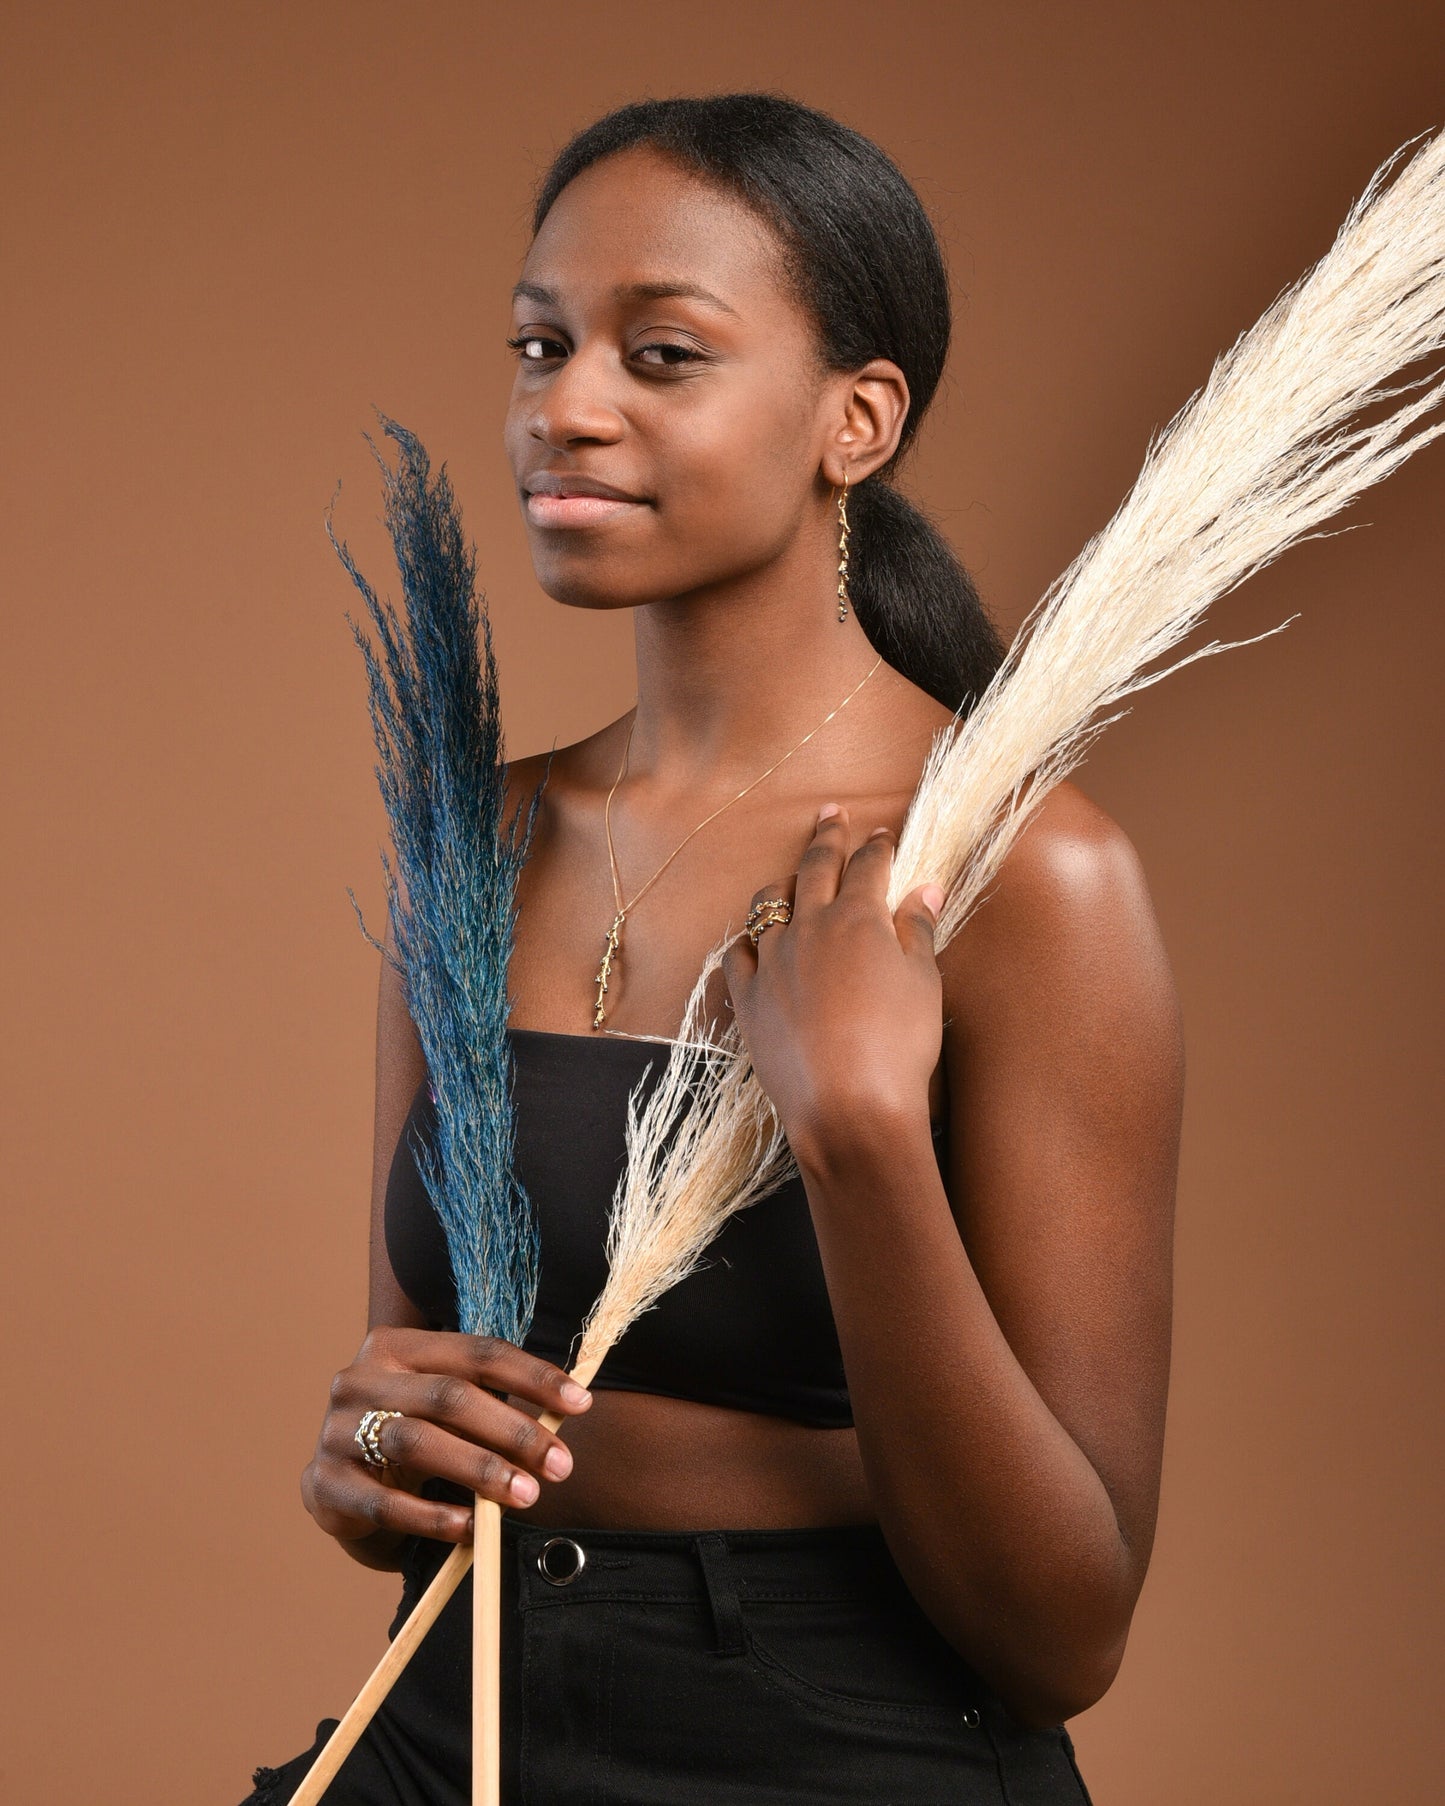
739	966
485	1360
916	918
821	866
781	889
349	1496
511	1369
475	1415
781	892
870	868
422	1448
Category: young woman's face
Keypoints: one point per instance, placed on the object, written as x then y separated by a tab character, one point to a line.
706	410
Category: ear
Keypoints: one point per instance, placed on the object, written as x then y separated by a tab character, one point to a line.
871	407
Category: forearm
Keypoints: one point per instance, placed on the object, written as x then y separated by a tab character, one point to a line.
999	1523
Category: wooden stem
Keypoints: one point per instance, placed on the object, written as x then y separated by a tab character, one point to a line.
486	1655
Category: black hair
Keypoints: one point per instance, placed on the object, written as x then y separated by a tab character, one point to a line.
866	263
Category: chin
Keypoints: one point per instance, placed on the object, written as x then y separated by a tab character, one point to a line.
582	582
577	587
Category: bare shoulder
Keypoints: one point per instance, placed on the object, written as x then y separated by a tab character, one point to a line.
1071	854
1069	915
565	774
522	778
526	773
536	789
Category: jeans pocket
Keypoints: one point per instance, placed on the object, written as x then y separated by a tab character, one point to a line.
863	1656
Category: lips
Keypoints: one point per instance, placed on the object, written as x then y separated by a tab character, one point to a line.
568	499
566	483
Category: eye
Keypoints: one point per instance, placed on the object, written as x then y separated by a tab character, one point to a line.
529	347
675	354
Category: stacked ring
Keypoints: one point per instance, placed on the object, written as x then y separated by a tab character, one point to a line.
366	1434
763	915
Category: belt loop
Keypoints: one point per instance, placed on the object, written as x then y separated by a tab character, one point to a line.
722	1593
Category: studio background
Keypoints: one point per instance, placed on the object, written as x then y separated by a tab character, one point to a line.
229	232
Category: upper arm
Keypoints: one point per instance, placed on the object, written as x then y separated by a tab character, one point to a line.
1065	1062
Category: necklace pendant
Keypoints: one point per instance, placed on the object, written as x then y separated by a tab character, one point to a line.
610	952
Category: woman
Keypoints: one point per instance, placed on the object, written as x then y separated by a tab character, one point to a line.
862	1509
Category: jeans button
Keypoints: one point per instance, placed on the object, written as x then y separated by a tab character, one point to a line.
970	1717
560	1560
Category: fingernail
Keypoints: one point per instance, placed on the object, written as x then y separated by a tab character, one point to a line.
575	1394
525	1488
558	1463
932	899
829	810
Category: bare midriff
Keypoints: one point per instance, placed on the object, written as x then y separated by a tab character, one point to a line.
643	1461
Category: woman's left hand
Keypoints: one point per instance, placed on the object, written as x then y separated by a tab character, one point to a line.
841	1007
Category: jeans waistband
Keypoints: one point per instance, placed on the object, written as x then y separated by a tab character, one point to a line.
556	1567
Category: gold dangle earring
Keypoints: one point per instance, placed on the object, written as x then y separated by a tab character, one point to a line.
843	550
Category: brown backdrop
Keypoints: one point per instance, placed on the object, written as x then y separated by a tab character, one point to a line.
229	232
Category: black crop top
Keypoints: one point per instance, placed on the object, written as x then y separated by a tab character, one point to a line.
751	1327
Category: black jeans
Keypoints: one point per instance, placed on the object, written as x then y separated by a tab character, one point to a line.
696	1668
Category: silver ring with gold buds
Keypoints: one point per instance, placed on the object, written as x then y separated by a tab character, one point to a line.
366	1437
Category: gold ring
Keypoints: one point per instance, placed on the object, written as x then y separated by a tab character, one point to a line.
763	915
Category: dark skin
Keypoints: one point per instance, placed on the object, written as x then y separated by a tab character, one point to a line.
1006	1327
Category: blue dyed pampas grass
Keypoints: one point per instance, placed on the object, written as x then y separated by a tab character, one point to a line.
436	718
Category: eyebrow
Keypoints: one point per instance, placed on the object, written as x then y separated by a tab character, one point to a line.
630	291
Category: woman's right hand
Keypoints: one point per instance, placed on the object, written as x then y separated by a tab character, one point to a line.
451	1426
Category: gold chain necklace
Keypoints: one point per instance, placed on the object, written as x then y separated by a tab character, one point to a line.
612	952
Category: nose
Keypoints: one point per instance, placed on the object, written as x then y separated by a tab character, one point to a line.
577	404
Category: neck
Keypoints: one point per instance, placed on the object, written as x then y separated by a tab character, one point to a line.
729	680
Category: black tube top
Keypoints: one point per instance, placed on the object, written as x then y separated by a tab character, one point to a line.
751	1327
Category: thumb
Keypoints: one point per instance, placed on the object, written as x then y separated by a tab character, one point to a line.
917	916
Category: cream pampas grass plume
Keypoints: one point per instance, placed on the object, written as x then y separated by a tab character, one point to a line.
1254	460
687	1171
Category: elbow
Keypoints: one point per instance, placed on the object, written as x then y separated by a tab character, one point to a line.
1055	1651
1072	1683
1064	1662
1074	1656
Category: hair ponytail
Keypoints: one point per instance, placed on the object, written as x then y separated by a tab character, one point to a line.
914	600
867	265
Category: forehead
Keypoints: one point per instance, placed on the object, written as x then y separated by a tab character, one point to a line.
637	219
